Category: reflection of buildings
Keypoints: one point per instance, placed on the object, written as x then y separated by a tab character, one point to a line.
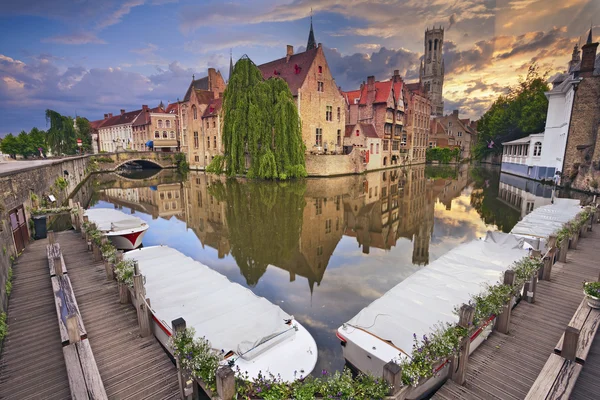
296	226
522	194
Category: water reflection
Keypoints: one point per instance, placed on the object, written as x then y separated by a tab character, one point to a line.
322	249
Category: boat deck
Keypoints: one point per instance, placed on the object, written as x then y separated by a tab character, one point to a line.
506	366
32	365
131	367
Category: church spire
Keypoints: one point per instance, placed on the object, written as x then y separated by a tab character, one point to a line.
311	36
589	39
230	66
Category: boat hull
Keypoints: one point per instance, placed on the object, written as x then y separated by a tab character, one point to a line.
128	239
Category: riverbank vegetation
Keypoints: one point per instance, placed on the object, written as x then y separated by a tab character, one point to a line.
514	115
261	123
442	155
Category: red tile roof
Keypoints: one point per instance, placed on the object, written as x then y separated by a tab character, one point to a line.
367	129
352	95
213	108
204	96
143	118
382	91
172	108
97	124
293	71
120	119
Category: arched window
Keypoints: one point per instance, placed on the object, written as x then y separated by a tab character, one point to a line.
156	134
165	134
172	135
537	149
435	44
168	122
195	111
430	45
160	123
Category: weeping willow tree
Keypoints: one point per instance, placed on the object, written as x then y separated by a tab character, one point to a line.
62	136
262	122
256	213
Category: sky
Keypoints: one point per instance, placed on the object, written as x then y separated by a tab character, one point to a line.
91	57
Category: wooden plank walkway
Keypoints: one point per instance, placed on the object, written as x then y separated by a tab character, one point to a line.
588	384
32	365
505	366
131	367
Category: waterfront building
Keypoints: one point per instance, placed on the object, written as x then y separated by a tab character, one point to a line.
212	124
319	100
418	113
199	95
156	126
523	195
365	139
431	73
452	132
381	105
115	132
569	137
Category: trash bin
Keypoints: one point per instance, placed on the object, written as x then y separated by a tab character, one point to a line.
39	223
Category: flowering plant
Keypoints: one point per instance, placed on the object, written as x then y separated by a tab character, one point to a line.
109	252
124	271
524	268
592	289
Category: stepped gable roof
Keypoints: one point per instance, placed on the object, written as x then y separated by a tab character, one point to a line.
213	109
287	70
352	96
121	119
197	84
143	118
204	96
367	129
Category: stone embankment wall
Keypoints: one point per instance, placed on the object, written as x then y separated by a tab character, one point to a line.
332	165
16	189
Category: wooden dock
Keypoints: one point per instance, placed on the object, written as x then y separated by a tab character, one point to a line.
131	367
506	366
32	365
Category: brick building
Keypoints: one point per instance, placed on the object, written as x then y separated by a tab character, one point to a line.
212	124
115	132
582	153
452	132
199	95
155	125
320	103
418	111
381	104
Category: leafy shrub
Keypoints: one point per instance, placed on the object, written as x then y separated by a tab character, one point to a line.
124	271
3	326
592	289
217	165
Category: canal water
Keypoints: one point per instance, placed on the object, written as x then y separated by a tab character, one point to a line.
321	249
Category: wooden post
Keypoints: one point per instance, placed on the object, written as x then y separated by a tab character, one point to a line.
525	291
58	267
503	321
392	374
123	293
142	310
226	382
590	223
532	288
547	268
108	267
562	255
73	328
178	325
86	219
574	240
466	321
51	237
73	216
570	340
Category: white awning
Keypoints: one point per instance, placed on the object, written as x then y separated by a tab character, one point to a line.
524	140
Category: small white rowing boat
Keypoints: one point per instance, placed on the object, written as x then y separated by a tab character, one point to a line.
124	231
258	335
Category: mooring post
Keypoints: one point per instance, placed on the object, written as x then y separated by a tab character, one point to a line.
73	328
465	321
504	318
551	245
85	220
574	240
226	382
178	325
392	374
51	237
564	246
123	288
532	288
569	349
109	268
140	296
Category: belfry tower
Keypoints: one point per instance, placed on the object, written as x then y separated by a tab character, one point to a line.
431	73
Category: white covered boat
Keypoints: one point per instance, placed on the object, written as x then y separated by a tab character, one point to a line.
383	331
544	221
252	331
124	231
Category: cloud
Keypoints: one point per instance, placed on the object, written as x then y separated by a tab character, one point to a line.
75	38
552	42
116	16
229	40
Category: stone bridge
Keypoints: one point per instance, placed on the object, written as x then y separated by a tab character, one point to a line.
150	159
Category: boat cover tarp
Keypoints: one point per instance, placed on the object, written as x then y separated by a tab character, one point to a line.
426	298
107	219
546	220
230	316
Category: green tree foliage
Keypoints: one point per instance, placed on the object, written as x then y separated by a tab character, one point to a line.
10	145
261	121
84	132
62	136
520	112
250	210
443	155
25	144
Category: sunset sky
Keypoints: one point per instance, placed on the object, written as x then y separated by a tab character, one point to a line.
90	57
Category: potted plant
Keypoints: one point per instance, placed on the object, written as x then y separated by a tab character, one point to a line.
592	293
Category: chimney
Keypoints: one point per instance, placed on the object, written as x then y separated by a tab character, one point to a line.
370	83
145	107
105	116
319	45
122	111
455	113
588	58
396	77
109	115
289	52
